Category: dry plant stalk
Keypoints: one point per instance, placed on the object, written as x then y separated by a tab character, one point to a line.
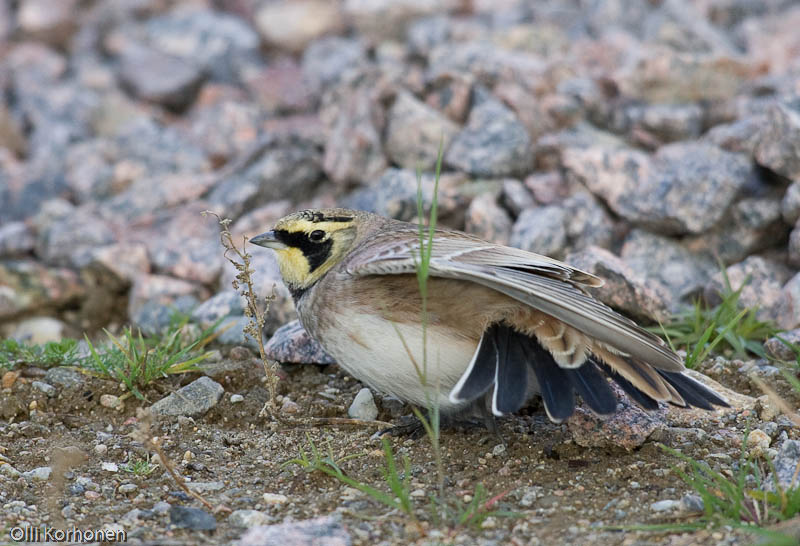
243	283
143	435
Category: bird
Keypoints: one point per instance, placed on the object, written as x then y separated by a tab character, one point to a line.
497	325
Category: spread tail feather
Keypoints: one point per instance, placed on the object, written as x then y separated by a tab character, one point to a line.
503	358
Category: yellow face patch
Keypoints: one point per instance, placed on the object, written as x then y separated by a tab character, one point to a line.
293	265
313	246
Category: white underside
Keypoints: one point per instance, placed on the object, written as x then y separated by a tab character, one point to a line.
376	352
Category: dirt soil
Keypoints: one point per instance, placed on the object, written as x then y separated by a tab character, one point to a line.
560	492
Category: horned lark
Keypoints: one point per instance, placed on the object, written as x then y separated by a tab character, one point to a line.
503	324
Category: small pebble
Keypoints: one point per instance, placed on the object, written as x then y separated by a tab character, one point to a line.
128	488
40	474
758	441
236	398
46	388
275	498
110	401
289	406
664	505
100	449
692	504
363	406
8	380
110	467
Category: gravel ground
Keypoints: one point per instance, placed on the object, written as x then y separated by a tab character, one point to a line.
559	490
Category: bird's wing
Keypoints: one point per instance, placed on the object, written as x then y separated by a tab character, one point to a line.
545	284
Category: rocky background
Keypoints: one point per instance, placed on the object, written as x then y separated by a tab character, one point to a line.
648	142
644	141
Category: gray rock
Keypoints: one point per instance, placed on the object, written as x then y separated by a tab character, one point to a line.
116	266
541	230
219	42
249	518
741	136
751	225
161	78
790	205
27	286
40	474
667	76
488	220
494	143
665	261
154	316
9	471
664	122
181	242
71	241
288	170
778	147
45	388
194	399
664	505
451	94
624	288
292	25
363	406
65	378
486	62
414	133
683	188
427	32
587	222
226	128
549	188
233	332
205	487
785	464
16	239
692	504
224	304
552	148
515	196
351	112
394	194
39	330
291	343
326	60
321	531
629	427
184	517
761	281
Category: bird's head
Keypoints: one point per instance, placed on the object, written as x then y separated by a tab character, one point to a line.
309	243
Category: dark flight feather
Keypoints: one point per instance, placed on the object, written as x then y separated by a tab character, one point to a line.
511	381
593	387
556	388
480	374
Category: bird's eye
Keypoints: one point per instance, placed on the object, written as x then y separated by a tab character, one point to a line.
317	235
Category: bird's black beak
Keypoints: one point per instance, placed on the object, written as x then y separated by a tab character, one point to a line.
268	240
